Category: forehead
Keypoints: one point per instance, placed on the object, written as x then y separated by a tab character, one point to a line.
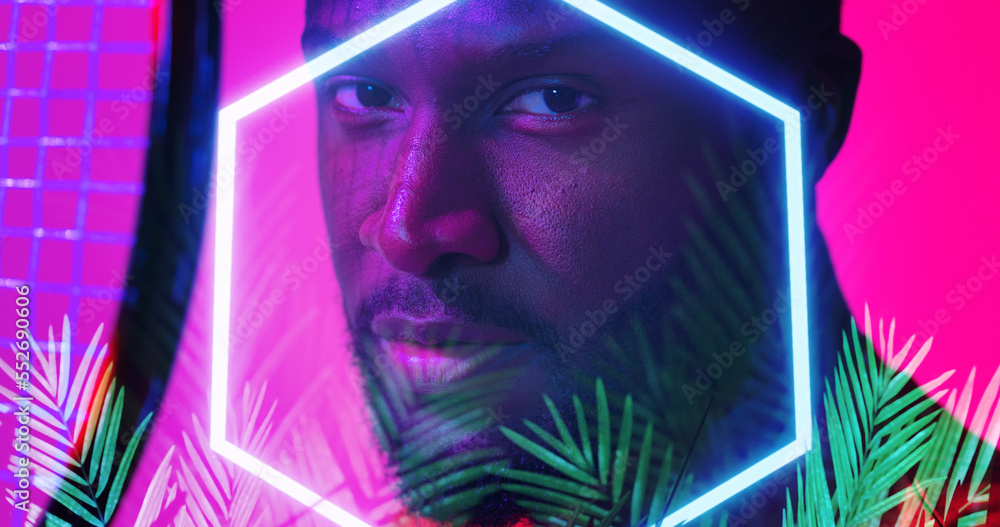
475	30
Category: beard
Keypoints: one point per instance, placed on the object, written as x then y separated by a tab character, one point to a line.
450	446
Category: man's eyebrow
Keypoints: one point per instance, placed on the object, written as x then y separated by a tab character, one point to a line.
531	51
318	40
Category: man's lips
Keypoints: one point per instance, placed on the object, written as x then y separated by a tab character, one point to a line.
428	369
441	334
435	352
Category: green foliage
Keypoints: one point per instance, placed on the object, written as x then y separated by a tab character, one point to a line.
612	491
434	481
894	455
724	275
880	431
75	430
718	281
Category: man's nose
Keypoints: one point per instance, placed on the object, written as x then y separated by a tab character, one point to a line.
438	204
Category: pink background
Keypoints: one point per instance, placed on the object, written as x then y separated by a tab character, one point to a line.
69	238
934	72
75	94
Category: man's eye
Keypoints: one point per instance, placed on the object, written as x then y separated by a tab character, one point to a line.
360	96
550	101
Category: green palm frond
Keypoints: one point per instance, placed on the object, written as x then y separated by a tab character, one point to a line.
719	282
436	482
75	424
949	483
880	430
600	481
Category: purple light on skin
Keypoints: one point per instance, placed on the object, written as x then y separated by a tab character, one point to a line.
225	205
224	211
428	371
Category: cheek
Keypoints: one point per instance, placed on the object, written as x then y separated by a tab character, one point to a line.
351	190
353	181
602	240
590	226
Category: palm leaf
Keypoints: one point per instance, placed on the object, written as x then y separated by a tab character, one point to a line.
115	491
212	490
880	429
585	497
77	417
156	497
52	520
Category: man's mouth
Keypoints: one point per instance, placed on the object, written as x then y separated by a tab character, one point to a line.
435	352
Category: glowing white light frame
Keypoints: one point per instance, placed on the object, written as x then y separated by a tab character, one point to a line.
224	209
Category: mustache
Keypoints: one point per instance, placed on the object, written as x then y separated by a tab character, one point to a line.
453	298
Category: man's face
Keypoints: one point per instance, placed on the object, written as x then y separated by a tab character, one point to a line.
503	187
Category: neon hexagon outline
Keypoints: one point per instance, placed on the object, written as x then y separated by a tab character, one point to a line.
226	163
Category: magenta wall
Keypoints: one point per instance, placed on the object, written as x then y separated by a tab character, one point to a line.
930	71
